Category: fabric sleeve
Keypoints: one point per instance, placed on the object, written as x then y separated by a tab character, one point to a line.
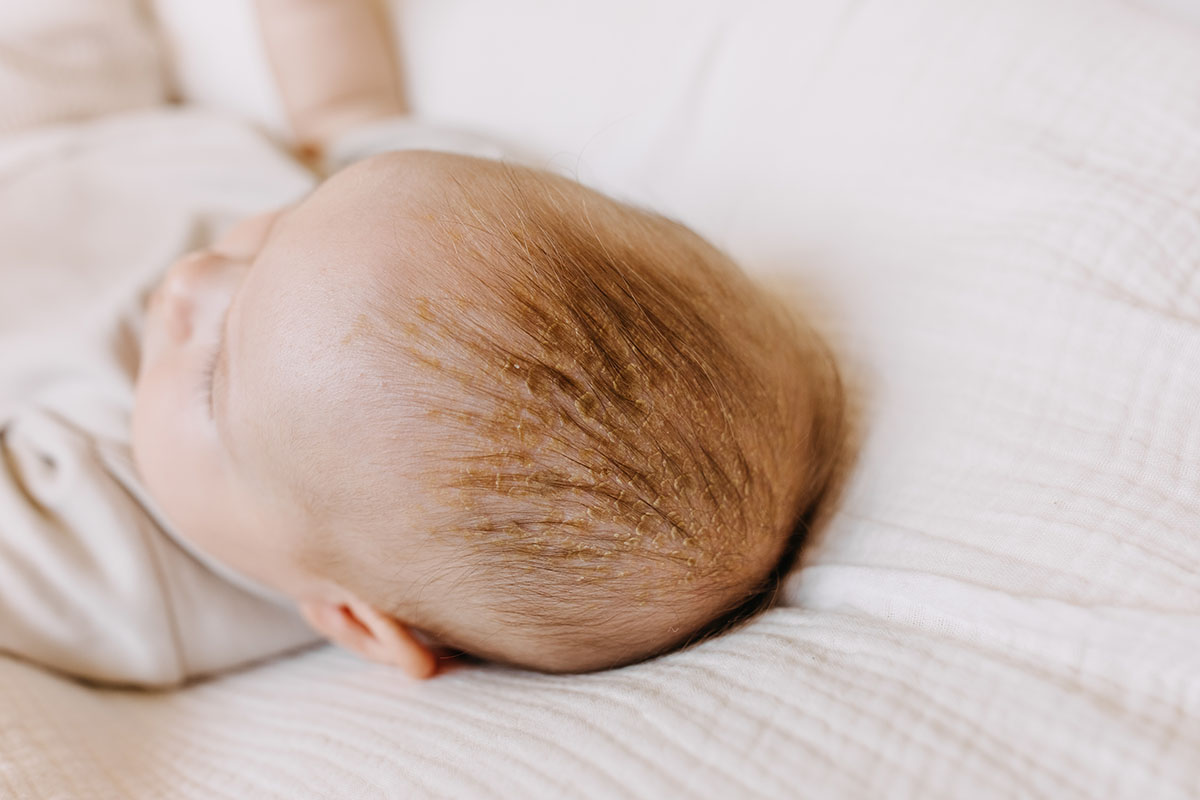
79	586
89	585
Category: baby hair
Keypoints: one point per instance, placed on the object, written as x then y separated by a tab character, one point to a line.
624	438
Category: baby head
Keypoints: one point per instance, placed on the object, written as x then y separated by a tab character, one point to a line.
451	401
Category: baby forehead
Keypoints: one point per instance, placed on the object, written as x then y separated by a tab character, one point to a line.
349	236
324	296
386	233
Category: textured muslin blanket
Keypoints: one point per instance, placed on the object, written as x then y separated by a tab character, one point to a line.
993	209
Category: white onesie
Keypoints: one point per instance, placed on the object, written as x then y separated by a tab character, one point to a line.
93	581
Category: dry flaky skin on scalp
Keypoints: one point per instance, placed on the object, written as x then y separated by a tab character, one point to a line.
627	432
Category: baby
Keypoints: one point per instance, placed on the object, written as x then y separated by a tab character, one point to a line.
446	402
483	402
451	400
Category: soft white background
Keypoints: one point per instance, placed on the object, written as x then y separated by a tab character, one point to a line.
993	209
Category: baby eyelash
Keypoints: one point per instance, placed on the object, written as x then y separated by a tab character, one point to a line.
206	383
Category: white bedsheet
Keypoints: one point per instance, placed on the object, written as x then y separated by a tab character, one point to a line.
994	209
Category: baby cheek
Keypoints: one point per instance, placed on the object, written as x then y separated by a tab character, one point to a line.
166	443
151	428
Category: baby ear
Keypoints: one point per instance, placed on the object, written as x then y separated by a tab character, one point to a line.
372	634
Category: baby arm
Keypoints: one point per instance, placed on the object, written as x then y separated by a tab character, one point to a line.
333	63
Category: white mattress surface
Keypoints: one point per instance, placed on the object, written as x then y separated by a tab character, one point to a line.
994	211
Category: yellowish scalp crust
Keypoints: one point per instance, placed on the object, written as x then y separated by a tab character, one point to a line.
630	433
